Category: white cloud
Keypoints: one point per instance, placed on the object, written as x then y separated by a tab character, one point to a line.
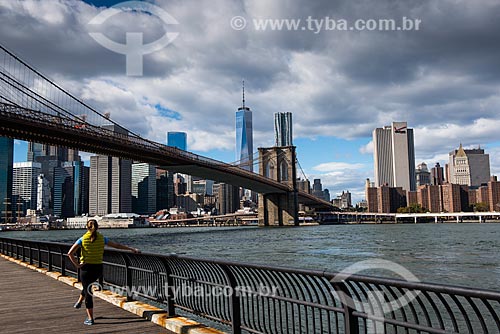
367	149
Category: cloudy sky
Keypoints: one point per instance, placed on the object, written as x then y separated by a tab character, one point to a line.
444	78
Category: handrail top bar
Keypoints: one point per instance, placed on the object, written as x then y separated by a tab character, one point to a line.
400	283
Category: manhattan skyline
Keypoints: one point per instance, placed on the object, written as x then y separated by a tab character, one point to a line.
443	79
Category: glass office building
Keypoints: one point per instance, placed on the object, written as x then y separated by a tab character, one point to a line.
283	129
6	172
244	138
177	139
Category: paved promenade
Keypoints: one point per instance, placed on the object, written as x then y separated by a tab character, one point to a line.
34	303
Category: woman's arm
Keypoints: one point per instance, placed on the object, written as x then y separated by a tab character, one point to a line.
120	246
71	255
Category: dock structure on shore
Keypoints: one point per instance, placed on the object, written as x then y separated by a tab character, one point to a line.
397	218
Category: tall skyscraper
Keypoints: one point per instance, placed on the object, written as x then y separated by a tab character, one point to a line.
110	182
394	156
165	194
317	189
25	183
6	175
177	139
71	189
423	175
469	167
437	175
143	188
244	136
228	198
110	185
51	159
283	129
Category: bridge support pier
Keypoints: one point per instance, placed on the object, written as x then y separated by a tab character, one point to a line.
278	209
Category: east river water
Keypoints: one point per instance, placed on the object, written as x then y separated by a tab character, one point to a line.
458	254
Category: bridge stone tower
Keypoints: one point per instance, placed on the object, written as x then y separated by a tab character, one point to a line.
279	209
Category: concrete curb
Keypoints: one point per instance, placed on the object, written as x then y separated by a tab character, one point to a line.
180	325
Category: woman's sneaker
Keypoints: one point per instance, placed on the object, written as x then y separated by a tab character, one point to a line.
88	322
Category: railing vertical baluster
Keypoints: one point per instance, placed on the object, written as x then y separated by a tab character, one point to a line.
351	323
235	301
49	255
31	253
128	277
170	288
63	261
24	252
40	265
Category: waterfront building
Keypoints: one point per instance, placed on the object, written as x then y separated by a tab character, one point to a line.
317	189
390	199
482	195
371	196
144	188
283	129
394	156
177	139
25	184
429	198
51	159
469	167
37	150
411	198
472	195
422	174
343	201
437	174
227	198
326	195
6	175
244	136
180	185
455	197
165	195
494	194
110	182
110	185
43	195
71	189
203	187
304	185
189	202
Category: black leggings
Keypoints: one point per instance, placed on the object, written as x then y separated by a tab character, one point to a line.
89	273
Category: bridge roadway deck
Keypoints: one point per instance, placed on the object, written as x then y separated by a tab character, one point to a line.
35	303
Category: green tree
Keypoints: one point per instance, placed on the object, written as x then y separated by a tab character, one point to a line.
481	207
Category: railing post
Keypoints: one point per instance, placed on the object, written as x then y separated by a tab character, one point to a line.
235	301
49	254
170	288
39	255
63	261
351	325
128	277
31	253
24	252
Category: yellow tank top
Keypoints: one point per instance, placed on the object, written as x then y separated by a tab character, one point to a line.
92	252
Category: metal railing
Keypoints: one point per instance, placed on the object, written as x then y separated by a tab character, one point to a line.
262	299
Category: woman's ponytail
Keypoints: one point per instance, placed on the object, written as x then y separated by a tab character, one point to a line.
92	227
